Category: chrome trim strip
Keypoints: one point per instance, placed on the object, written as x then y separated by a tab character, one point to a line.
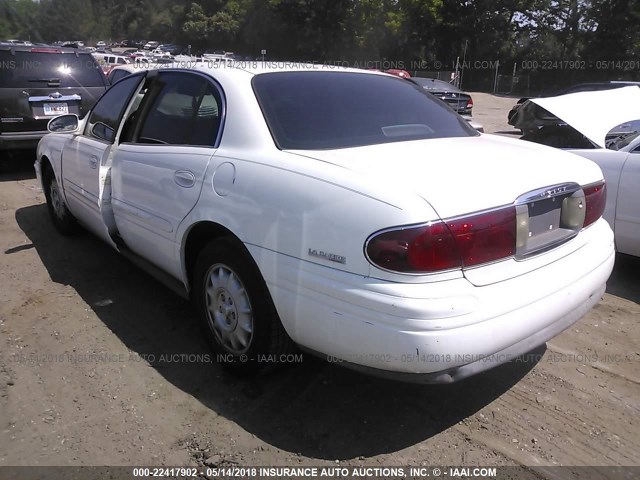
548	192
62	98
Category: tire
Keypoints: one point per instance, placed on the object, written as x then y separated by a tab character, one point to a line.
236	311
62	218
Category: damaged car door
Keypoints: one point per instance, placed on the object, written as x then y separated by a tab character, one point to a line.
86	157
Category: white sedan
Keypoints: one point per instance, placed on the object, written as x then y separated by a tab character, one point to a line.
589	118
346	212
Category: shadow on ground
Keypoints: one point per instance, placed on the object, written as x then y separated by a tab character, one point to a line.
314	408
17	165
625	279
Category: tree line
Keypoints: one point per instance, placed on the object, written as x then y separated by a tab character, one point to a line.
346	30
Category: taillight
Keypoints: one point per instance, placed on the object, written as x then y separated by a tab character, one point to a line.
459	242
470	103
426	248
485	237
595	199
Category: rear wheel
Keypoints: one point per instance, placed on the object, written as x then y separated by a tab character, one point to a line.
236	310
62	218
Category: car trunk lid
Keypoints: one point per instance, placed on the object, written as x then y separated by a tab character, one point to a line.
459	176
457	101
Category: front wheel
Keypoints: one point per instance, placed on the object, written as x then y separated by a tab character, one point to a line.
236	310
63	219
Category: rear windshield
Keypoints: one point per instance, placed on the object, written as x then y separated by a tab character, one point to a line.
35	69
327	110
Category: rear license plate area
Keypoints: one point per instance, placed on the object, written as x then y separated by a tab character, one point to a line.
59	108
547	218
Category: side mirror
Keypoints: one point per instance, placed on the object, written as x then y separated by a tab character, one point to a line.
63	124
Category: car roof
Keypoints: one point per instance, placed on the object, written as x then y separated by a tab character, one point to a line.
232	67
42	49
231	71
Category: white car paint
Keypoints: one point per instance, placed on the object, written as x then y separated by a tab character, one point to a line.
594	114
621	171
284	204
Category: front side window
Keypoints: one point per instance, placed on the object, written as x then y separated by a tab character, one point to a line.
185	111
105	116
325	110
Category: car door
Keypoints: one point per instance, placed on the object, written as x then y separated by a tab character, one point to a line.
627	226
84	155
157	174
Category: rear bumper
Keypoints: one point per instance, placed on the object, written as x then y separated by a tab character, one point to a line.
20	140
436	332
483	361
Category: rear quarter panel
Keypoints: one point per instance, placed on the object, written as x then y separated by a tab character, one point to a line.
302	208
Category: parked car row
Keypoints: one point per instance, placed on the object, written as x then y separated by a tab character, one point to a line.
109	60
13	41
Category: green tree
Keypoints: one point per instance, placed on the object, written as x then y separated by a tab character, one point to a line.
18	18
216	24
65	20
616	29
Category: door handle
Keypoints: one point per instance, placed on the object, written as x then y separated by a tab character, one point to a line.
184	178
93	162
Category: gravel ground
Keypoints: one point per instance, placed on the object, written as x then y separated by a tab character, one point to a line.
101	365
491	112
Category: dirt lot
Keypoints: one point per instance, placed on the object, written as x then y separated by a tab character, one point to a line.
91	373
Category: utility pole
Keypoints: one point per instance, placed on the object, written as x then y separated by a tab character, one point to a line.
464	57
455	74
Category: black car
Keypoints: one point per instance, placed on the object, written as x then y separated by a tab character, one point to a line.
460	101
172	48
38	83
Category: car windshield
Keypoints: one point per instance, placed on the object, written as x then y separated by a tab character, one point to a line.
622	141
39	69
327	110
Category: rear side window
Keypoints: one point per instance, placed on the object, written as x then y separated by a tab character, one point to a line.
327	110
185	111
117	74
105	116
35	69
